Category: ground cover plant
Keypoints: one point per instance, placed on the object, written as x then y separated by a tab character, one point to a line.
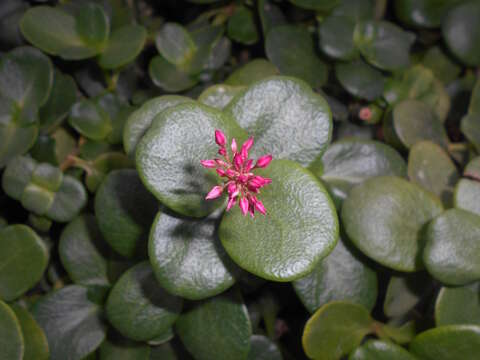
240	179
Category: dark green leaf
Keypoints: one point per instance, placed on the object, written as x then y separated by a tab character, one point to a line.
360	79
175	44
11	338
262	348
241	26
459	305
380	350
123	46
336	37
168	77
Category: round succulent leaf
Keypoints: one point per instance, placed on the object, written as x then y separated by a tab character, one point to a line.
104	164
17	176
163	352
187	257
461	32
444	68
241	26
452	247
217	328
320	5
123	46
383	44
168	77
11	338
36	345
299	58
335	330
26	77
175	44
419	83
286	118
72	36
404	292
138	307
356	9
349	162
123	223
69	200
164	337
15	140
61	99
360	79
141	119
23	260
300	228
431	167
380	350
470	126
336	37
90	120
341	276
123	349
219	96
270	15
168	156
255	70
385	216
71	321
82	251
458	305
447	342
412	121
423	13
466	195
262	348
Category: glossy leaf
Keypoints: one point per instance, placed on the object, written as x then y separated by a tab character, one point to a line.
11	338
219	96
122	349
384	218
336	37
404	292
123	46
279	246
251	72
360	79
466	195
241	26
168	77
458	305
175	44
380	350
138	307
262	348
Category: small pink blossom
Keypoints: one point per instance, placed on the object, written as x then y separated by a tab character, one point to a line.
240	183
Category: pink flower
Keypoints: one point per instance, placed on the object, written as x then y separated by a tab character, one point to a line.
240	183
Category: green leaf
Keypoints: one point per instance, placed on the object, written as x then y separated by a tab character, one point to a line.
443	67
219	96
72	35
453	247
124	210
320	5
461	31
470	127
174	175
430	167
448	342
404	292
69	200
299	58
300	228
274	107
175	44
335	330
262	348
138	307
62	97
423	13
82	250
15	140
241	26
412	121
380	350
459	305
36	345
419	83
122	349
90	120
336	37
218	328
270	15
104	164
384	217
123	46
71	321
341	276
349	162
251	72
360	79
168	77
188	258
23	260
383	44
11	338
466	195
141	120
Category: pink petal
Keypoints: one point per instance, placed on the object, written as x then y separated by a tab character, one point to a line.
247	145
243	204
249	165
221	162
234	145
238	161
231	202
259	206
263	161
221	172
208	163
222	151
214	193
232	187
231	173
220	138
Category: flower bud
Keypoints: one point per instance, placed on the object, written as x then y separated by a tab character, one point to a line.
220	138
214	193
263	161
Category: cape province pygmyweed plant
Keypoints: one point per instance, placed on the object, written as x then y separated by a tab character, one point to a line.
127	132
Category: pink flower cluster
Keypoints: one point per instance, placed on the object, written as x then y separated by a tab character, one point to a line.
241	184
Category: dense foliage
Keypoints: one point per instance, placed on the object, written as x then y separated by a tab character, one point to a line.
369	248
